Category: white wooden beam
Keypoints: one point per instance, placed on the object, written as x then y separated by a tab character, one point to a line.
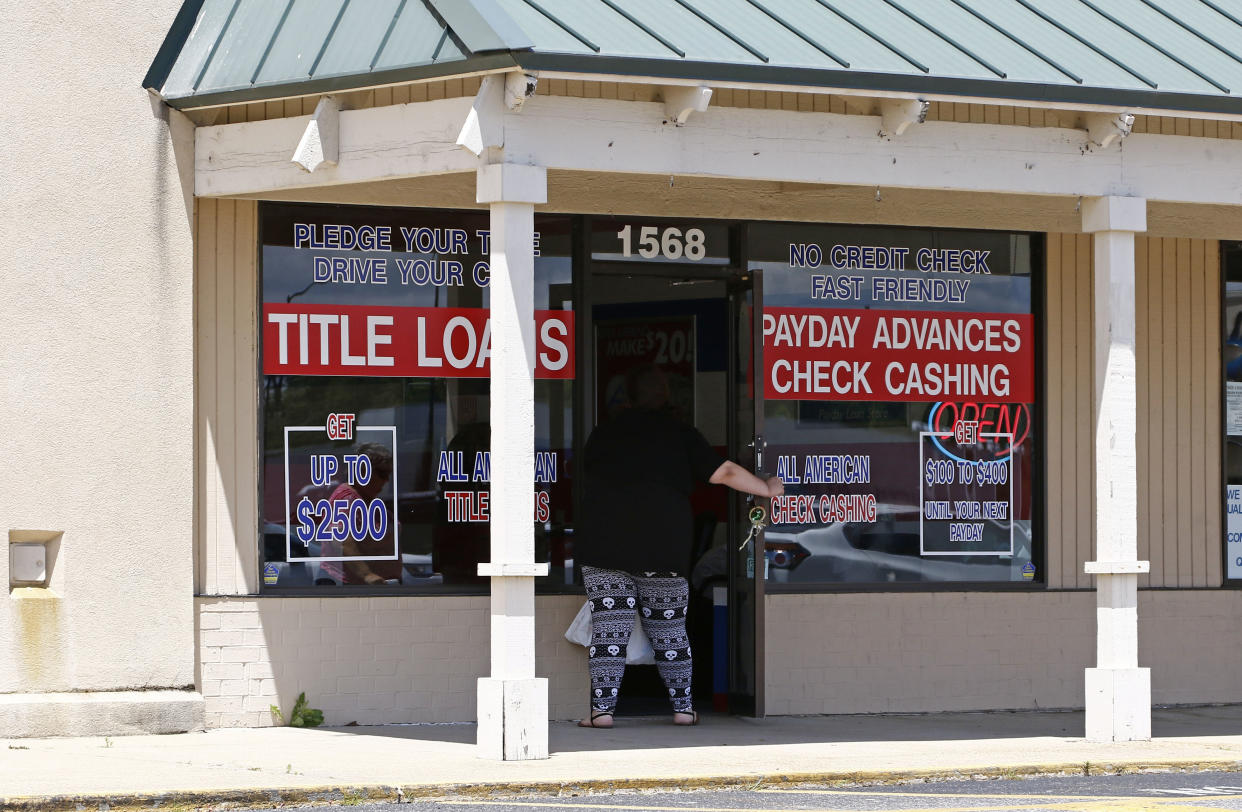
379	143
603	135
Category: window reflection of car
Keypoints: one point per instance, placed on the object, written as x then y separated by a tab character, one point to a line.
884	551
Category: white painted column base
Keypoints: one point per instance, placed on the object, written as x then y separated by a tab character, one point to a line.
513	718
1118	704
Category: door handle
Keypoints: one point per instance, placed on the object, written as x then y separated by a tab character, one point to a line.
758	444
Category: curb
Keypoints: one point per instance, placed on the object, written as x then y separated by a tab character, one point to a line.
354	794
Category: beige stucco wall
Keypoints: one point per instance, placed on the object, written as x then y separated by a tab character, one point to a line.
96	356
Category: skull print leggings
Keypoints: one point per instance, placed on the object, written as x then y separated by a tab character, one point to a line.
660	599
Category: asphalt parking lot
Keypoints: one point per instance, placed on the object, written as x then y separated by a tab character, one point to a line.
1164	791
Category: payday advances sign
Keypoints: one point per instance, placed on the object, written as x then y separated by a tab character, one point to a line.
888	355
894	323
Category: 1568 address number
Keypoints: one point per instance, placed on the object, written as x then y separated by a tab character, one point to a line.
668	243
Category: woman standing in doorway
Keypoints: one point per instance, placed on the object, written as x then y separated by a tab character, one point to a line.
639	469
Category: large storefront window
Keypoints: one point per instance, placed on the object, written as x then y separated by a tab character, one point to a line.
375	397
900	404
898	392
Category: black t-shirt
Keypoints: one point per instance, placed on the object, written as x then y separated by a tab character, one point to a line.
639	470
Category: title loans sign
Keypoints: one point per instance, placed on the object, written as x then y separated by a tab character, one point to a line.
437	342
386	299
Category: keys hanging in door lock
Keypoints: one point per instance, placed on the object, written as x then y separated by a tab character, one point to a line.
758	517
758	514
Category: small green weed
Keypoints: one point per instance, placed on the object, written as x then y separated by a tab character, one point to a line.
303	715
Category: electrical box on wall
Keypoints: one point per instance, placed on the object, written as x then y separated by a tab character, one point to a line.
27	563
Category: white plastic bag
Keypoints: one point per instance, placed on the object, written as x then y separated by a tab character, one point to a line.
637	653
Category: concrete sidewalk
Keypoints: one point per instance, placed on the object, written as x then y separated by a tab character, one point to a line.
262	767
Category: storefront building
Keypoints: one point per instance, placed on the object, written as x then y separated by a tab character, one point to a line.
964	280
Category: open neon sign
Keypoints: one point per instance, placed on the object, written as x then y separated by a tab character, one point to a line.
999	418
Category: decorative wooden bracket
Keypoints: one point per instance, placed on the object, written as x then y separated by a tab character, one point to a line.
1105	128
680	101
519	87
484	127
320	144
896	115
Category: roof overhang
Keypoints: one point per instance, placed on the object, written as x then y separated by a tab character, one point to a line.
483	38
864	83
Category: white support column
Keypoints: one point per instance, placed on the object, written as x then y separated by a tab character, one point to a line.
1118	691
513	702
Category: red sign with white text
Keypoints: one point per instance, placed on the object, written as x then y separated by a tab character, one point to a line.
897	355
429	342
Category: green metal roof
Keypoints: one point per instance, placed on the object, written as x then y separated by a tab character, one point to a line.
1161	54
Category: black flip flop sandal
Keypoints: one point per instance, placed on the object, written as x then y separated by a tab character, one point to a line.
591	722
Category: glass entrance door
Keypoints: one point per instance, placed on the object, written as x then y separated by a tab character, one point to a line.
747	564
682	303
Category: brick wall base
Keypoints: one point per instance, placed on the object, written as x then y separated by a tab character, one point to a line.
946	651
368	660
392	660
